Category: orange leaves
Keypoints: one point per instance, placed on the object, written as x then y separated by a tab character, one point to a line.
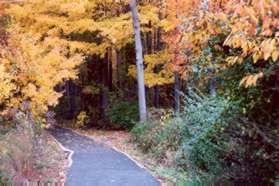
173	40
3	35
173	37
176	36
253	29
250	29
247	19
251	80
275	55
177	10
257	56
270	48
232	60
6	83
183	8
217	5
2	8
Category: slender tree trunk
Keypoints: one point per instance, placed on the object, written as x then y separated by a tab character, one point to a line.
139	58
145	43
212	84
118	66
157	87
156	98
84	80
70	88
158	47
114	68
110	71
212	87
104	90
177	92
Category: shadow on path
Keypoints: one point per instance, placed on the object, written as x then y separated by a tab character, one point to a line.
98	165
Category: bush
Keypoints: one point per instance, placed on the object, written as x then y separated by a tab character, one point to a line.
160	135
220	143
81	120
204	146
193	141
141	135
254	157
122	114
213	141
28	153
5	179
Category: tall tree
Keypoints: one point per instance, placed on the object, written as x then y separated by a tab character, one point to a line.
139	61
87	28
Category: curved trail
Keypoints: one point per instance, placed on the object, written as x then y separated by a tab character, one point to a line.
98	165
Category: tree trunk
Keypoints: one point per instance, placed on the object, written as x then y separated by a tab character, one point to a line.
70	89
119	71
110	70
104	90
139	58
212	83
157	87
177	92
212	87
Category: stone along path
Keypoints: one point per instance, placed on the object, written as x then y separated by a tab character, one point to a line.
98	165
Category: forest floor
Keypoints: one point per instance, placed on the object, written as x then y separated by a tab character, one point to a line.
21	163
53	162
99	164
122	141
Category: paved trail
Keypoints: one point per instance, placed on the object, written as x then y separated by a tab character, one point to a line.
98	165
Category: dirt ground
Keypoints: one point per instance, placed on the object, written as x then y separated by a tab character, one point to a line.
21	163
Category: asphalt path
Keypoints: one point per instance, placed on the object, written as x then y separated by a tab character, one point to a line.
98	165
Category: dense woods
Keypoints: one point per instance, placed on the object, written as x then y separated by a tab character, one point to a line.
194	81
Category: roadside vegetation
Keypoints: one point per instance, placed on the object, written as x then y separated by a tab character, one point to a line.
193	82
29	155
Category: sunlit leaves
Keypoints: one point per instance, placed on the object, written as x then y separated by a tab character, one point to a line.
30	72
251	80
53	36
250	30
158	69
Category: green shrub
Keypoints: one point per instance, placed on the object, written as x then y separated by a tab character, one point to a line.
142	135
159	135
168	138
122	114
5	179
215	139
205	144
194	138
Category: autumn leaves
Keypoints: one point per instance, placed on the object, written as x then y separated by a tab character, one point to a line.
51	38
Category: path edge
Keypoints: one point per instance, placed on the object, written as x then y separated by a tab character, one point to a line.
71	153
120	151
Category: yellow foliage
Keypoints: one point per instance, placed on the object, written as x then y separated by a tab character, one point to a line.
105	20
82	119
30	71
157	71
50	38
250	28
232	60
251	80
6	84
